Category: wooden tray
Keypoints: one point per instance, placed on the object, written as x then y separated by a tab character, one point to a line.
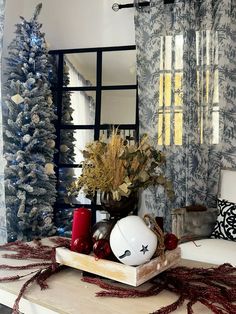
131	275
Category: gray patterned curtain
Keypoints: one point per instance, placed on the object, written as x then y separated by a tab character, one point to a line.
3	232
186	62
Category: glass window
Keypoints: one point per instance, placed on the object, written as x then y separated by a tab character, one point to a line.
81	69
88	109
78	107
118	107
80	139
170	102
119	67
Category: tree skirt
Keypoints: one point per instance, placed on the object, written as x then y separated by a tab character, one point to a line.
218	284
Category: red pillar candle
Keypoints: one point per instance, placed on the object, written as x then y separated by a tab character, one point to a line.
81	227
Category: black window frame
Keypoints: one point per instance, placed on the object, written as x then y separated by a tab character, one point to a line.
58	90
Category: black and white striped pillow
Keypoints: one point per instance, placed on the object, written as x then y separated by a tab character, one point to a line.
225	227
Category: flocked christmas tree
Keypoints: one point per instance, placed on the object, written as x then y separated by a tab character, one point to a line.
63	216
29	135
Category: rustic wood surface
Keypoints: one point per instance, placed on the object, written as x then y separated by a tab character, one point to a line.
67	294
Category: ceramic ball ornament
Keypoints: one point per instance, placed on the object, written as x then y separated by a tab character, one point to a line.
132	242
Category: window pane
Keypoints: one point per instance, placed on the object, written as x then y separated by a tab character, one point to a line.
167	89
167	128
119	67
78	108
178	125
166	134
216	87
161	53
64	216
161	90
159	127
215	123
178	89
67	149
118	107
201	126
81	69
165	86
216	55
178	128
168	52
66	177
208	43
81	138
197	47
179	52
207	86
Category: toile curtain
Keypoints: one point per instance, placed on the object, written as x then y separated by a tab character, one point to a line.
3	232
186	64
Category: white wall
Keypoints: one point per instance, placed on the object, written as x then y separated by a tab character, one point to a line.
13	10
75	23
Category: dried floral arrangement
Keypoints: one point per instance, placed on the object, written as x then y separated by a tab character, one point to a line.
119	168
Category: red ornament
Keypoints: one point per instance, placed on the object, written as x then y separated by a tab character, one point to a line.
82	245
102	249
171	241
102	229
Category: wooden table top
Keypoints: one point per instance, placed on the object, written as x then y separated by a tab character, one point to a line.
67	294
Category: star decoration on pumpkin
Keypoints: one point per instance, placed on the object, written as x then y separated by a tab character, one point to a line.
144	249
